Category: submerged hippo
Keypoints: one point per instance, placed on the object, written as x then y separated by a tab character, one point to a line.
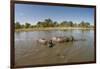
57	39
49	43
42	41
62	39
71	38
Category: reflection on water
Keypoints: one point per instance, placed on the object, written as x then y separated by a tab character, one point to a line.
29	52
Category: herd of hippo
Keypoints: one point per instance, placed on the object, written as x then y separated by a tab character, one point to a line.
57	40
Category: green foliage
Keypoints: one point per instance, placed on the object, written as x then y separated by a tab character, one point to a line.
50	23
70	23
27	25
22	26
46	23
84	24
17	25
67	24
56	24
64	23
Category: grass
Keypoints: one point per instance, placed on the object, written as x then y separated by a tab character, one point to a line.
51	28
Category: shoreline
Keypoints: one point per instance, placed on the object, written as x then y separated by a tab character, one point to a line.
52	28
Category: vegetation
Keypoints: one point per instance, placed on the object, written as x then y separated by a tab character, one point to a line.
48	23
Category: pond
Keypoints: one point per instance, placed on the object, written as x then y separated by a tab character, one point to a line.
29	52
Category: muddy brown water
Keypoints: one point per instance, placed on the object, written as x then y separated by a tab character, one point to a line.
29	52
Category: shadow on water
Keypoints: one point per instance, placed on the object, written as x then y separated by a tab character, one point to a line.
85	30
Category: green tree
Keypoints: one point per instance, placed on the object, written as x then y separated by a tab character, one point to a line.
87	24
22	26
48	23
17	25
75	25
45	23
64	23
55	23
84	24
39	24
27	25
70	23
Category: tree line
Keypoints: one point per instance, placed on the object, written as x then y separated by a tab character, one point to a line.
51	23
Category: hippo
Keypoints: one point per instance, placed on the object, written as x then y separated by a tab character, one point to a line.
42	41
70	39
63	39
58	39
50	44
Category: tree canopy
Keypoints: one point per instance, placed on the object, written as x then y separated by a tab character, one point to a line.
50	23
